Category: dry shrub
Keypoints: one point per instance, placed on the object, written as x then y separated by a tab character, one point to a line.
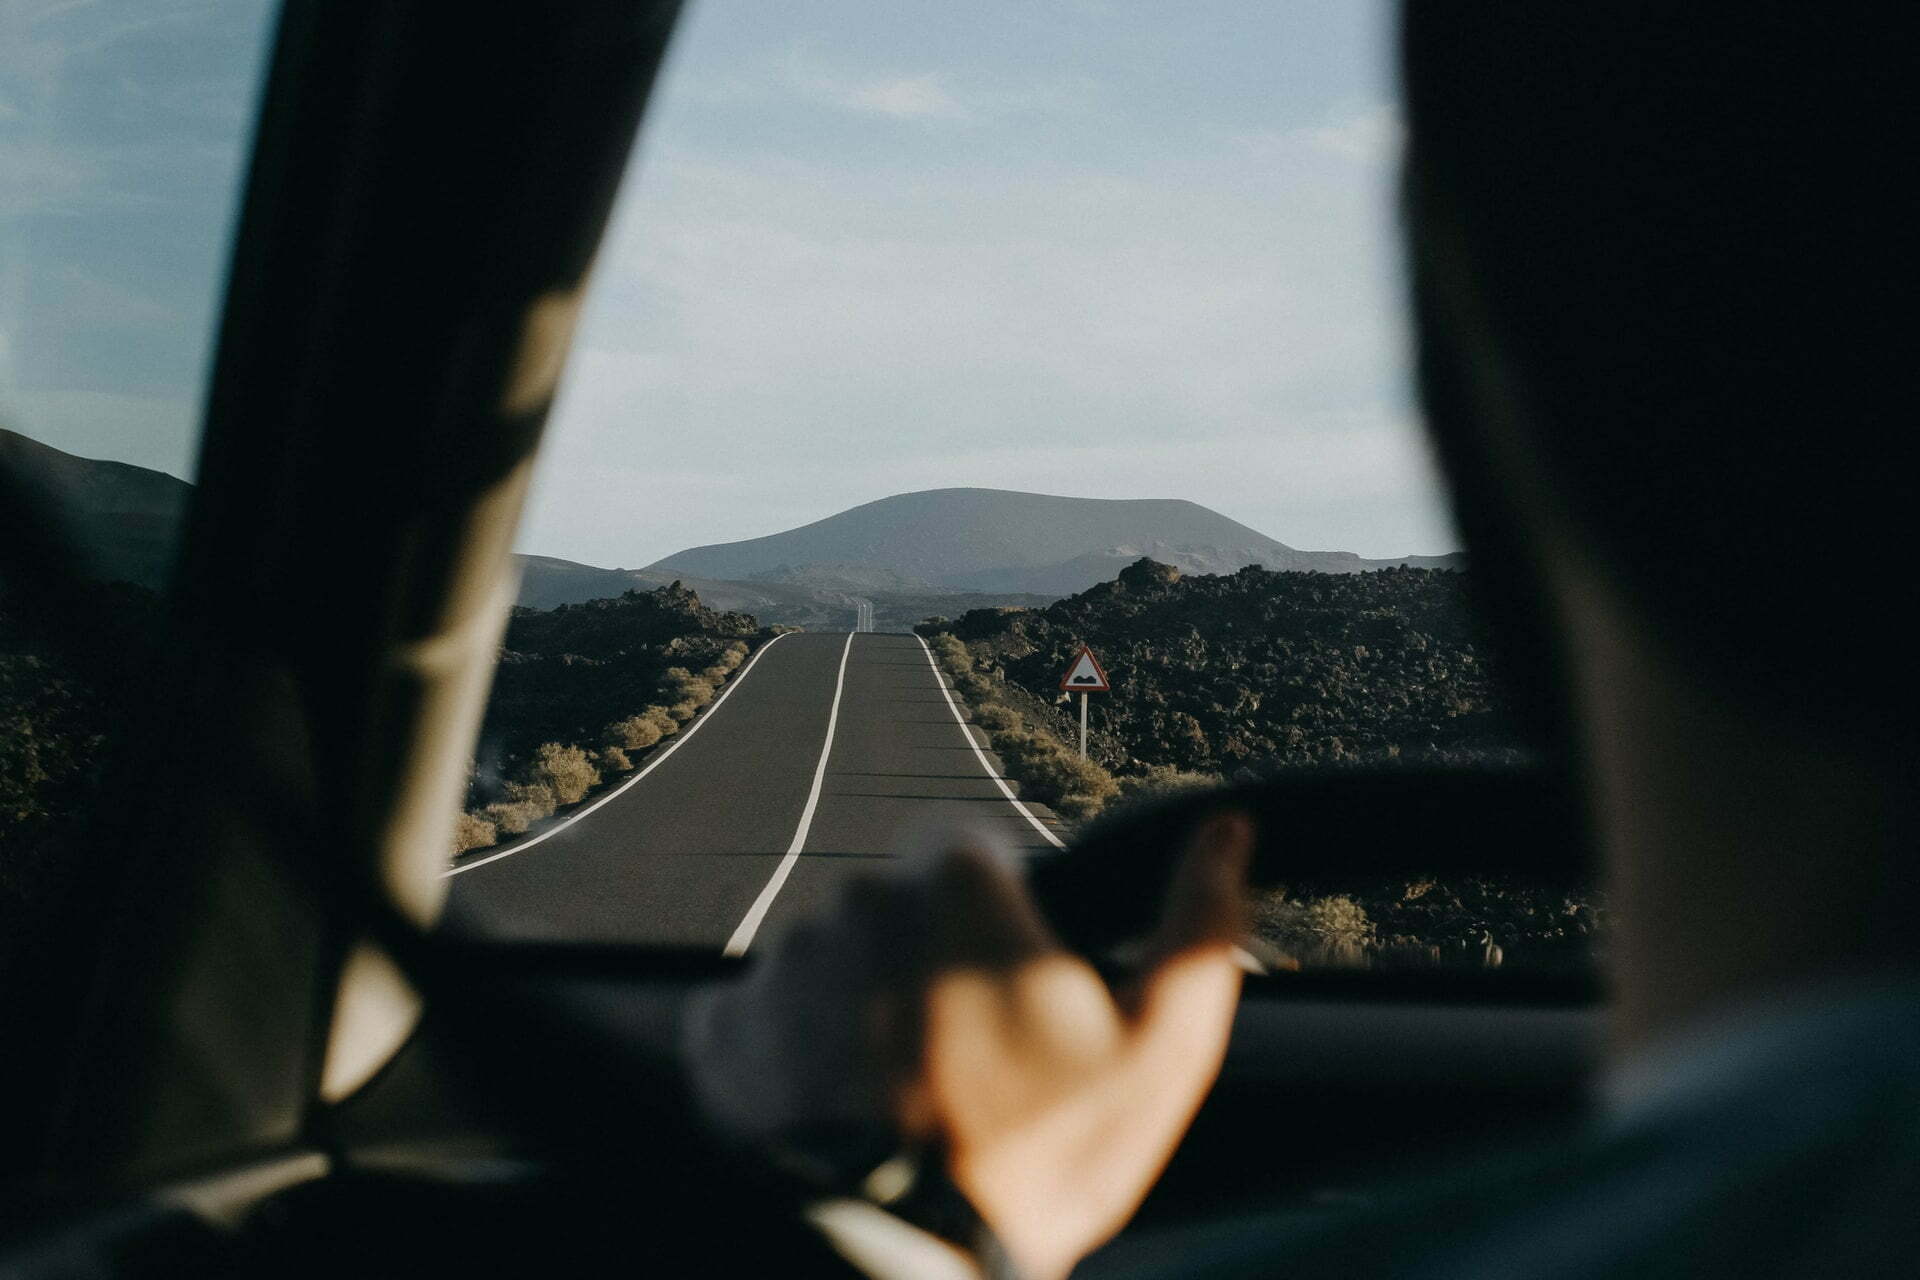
645	729
471	831
612	760
1078	805
1047	770
947	647
973	687
682	686
996	717
525	803
730	659
1053	774
513	816
1331	931
564	769
635	733
1165	780
537	794
1063	773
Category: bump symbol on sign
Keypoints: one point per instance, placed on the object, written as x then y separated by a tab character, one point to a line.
1085	675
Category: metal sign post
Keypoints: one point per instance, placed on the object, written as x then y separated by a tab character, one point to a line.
1085	676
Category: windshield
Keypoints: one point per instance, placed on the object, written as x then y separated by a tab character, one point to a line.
930	349
124	130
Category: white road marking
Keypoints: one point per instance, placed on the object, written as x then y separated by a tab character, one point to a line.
967	732
652	764
743	936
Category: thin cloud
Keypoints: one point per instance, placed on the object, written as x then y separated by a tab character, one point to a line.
1371	138
936	96
906	98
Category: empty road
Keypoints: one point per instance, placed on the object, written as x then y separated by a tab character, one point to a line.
820	757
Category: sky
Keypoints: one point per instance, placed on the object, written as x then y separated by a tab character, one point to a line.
865	247
122	131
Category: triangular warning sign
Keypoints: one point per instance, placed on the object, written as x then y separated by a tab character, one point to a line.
1085	675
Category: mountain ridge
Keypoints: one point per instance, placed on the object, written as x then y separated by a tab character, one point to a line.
125	519
907	555
1008	540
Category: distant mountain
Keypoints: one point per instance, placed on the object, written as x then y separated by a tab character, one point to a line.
942	551
125	520
999	540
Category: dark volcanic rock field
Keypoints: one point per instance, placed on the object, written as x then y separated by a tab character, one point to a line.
1262	669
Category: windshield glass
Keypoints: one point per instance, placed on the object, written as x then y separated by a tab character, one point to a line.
123	138
928	346
124	130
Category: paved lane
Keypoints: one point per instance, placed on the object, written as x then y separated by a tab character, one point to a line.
682	855
900	765
679	857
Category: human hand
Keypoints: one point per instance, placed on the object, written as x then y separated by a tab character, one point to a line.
1058	1105
934	1006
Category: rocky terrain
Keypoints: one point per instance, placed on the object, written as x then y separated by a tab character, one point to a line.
565	672
1261	669
1258	672
64	730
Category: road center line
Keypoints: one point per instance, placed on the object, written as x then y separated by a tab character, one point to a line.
652	764
743	936
967	733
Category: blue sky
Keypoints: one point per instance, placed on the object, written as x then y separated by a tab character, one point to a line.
121	132
1116	250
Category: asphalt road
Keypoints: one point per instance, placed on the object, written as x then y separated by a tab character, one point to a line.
745	824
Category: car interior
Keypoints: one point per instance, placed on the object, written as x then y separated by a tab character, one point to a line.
269	1058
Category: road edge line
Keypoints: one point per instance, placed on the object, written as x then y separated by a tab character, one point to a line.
967	732
743	933
615	794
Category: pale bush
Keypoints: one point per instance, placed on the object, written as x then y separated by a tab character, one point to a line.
948	649
524	804
996	716
635	733
1318	932
512	816
537	795
973	687
1078	806
730	659
1046	769
1165	780
647	728
1015	745
471	831
612	760
566	770
1059	773
682	688
1158	783
1051	773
